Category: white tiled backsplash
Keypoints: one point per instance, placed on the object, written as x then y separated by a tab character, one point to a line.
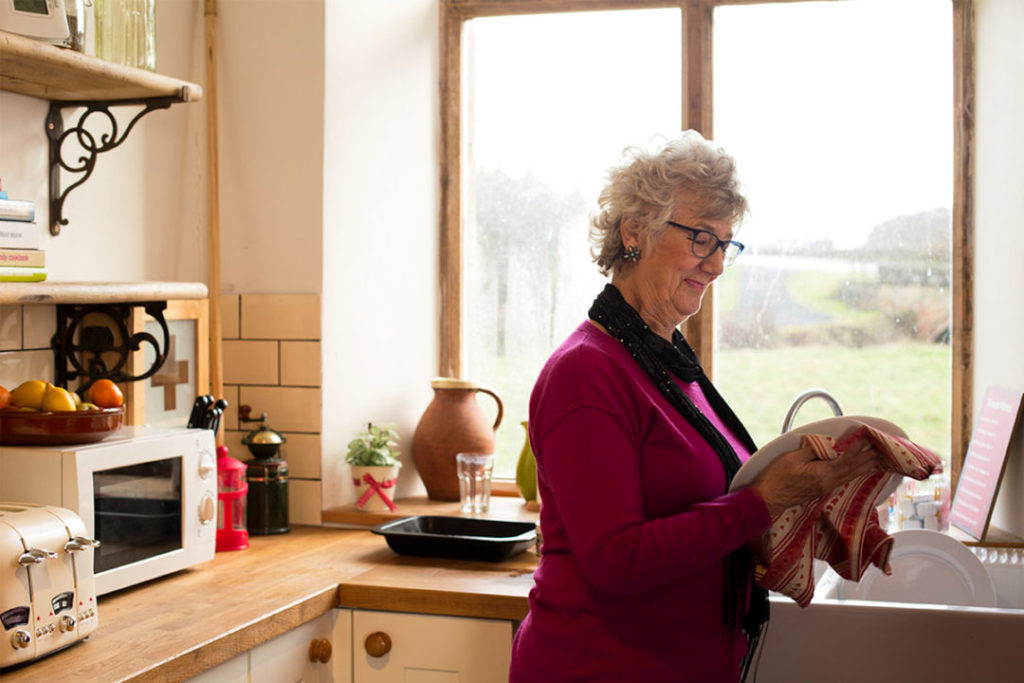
271	354
25	352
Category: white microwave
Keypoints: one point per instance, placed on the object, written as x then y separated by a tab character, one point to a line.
149	496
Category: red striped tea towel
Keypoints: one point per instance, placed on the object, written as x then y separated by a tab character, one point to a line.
841	528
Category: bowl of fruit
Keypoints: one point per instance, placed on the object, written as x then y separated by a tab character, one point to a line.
37	413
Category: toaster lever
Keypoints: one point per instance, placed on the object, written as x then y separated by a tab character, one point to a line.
36	556
80	543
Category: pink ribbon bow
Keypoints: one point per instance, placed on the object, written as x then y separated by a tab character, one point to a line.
841	528
375	487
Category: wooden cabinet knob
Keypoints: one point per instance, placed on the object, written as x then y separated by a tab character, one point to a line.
320	650
377	644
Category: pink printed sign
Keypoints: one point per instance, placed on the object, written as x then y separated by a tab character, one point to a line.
985	461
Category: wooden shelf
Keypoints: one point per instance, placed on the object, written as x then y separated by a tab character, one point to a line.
30	67
98	292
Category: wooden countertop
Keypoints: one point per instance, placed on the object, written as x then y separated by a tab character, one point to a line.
173	628
98	292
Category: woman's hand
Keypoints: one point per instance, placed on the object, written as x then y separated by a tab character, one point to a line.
798	476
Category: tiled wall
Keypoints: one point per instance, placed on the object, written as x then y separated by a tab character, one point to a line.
25	351
271	352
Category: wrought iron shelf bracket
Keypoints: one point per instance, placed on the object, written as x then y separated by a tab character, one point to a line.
101	347
86	144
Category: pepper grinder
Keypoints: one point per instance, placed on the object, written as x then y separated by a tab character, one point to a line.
267	476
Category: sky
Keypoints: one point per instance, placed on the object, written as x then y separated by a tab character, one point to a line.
839	113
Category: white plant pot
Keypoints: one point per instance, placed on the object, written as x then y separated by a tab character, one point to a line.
370	496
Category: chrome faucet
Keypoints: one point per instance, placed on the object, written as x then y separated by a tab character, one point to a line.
804	398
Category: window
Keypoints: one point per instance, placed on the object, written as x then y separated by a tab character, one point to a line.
548	105
518	95
848	161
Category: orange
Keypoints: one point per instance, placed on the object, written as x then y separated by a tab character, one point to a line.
5	398
106	394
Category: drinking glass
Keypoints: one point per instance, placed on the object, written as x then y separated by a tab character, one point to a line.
475	481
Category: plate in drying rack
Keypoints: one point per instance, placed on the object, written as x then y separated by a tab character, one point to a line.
927	567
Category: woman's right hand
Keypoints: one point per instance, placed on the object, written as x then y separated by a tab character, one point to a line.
798	476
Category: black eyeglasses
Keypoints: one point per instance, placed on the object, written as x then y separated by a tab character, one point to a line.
703	243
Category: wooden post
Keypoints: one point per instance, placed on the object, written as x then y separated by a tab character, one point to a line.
216	359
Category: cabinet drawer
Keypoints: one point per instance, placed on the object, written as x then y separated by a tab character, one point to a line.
430	649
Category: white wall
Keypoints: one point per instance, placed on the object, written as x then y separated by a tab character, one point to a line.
999	224
380	301
125	225
271	144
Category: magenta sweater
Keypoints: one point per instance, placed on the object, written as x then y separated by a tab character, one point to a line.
635	524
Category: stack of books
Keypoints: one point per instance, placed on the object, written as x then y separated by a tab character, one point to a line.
21	259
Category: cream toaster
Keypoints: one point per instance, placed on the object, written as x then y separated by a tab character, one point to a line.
47	591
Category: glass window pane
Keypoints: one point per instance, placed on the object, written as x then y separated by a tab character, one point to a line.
551	102
840	117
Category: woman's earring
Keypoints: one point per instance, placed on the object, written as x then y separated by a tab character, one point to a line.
632	254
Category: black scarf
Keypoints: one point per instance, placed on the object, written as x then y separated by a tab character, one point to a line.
658	357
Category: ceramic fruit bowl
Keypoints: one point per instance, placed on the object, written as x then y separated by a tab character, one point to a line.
52	428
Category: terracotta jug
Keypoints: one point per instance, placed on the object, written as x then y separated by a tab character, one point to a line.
453	423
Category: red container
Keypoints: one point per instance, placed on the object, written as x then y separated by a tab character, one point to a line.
232	488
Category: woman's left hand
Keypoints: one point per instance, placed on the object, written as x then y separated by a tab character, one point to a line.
798	476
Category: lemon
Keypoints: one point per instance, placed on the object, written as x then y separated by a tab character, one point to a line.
29	394
56	398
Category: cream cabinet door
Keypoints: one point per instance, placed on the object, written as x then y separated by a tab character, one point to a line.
424	648
287	658
235	670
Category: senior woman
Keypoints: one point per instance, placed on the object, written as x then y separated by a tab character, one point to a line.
645	573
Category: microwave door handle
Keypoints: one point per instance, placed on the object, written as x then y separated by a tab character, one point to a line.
36	556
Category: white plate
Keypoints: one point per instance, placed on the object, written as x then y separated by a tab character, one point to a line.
835	427
927	567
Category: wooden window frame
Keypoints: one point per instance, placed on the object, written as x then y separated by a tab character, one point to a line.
697	114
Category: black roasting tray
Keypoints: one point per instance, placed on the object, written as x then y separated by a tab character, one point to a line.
460	538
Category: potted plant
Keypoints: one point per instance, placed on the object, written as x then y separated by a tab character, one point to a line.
373	456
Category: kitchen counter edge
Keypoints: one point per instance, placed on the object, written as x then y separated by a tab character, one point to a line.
173	628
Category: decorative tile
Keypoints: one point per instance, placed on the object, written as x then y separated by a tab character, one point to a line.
250	362
287	408
229	316
300	363
302	451
39	323
280	316
10	327
230	418
233	441
304	502
20	366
